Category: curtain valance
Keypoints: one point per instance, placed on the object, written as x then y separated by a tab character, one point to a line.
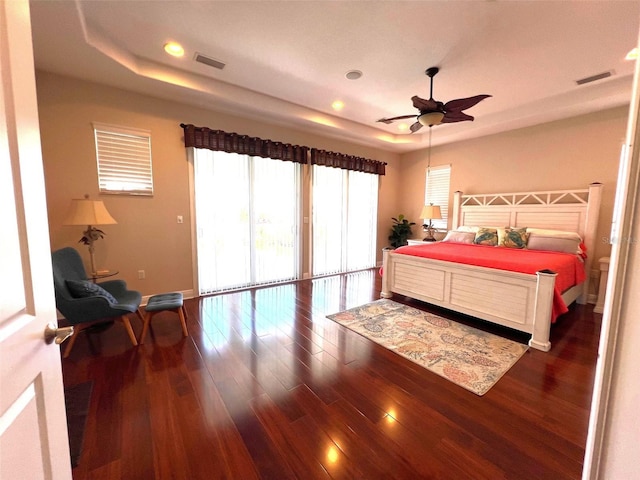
203	137
346	162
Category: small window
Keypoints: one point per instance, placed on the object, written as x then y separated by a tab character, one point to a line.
124	160
437	192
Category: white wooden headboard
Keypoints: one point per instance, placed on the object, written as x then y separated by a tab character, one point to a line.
568	210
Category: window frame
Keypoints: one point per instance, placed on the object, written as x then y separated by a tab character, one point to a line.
129	163
437	190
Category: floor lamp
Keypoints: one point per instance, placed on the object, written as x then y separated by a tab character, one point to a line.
84	211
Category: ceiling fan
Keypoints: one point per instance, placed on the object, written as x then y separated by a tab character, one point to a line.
433	112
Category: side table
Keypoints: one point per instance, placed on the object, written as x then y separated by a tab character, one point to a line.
602	287
420	242
102	274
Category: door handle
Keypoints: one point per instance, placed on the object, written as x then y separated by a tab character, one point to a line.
58	335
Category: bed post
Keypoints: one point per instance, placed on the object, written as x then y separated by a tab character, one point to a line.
457	203
384	290
590	231
542	310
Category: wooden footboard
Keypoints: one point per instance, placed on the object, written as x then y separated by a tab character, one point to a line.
516	300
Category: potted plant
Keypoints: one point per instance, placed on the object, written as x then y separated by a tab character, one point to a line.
400	231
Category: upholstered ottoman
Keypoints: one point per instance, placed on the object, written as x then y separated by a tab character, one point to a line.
160	303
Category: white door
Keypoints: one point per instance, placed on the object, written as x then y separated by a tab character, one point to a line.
33	430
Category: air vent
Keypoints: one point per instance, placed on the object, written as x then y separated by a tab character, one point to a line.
212	62
593	78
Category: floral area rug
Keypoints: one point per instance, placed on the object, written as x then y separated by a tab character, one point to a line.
468	357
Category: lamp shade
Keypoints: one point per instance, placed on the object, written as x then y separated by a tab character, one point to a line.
432	212
83	211
430	118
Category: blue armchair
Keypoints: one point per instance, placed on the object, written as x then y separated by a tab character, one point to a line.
83	302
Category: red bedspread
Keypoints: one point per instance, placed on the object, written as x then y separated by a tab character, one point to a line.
569	267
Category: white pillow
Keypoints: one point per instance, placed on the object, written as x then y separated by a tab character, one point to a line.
555	233
554	240
464	228
457	236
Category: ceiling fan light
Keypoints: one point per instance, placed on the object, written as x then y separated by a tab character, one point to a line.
430	118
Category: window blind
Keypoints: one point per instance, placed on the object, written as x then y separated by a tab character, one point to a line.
437	192
345	213
246	212
124	160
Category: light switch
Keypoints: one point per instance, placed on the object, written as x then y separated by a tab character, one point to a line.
180	220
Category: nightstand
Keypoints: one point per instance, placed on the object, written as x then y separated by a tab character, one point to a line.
602	288
420	242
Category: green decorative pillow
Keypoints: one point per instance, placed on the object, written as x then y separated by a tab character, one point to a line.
515	238
487	236
85	288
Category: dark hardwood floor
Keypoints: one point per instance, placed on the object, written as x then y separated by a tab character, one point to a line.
266	387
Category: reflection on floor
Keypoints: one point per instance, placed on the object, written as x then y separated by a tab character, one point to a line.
265	319
265	386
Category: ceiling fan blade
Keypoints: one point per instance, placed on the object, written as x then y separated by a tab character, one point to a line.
452	117
451	111
402	117
424	105
463	103
415	127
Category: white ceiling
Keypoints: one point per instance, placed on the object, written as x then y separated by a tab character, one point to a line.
286	60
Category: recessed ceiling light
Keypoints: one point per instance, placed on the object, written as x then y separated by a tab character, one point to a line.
174	49
353	74
632	55
337	105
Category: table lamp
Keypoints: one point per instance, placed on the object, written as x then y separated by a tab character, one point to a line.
84	211
430	212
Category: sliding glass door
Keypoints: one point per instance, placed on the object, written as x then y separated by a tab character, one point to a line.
345	212
246	212
275	194
362	220
329	223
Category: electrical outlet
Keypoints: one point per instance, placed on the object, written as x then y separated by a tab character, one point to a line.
141	275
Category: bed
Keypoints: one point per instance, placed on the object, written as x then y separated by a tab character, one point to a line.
522	301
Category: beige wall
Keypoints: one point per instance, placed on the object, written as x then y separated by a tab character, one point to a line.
147	236
559	155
